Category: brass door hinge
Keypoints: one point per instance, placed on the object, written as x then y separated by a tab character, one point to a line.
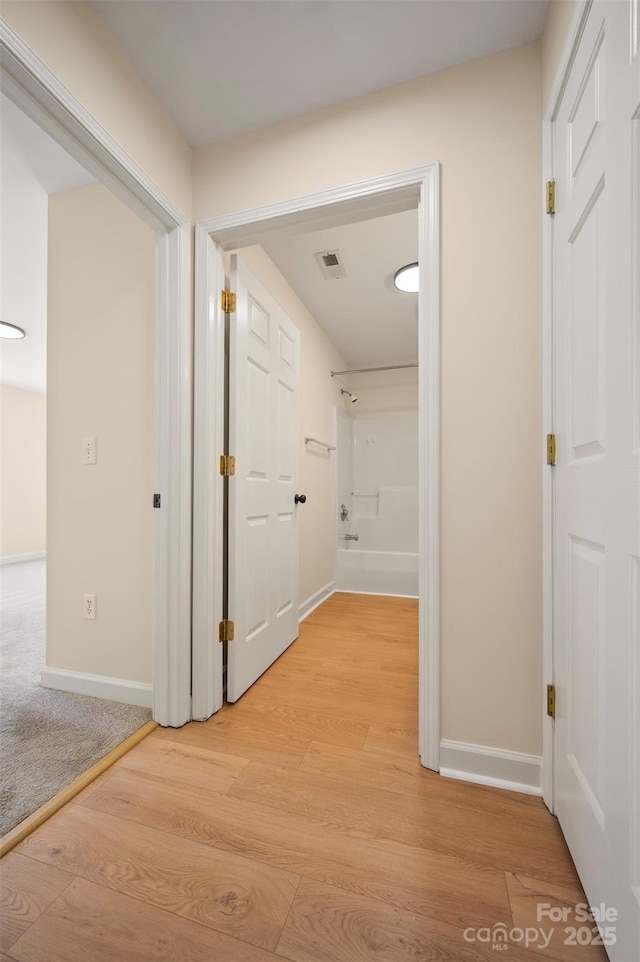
551	701
228	302
227	465
226	630
551	449
551	197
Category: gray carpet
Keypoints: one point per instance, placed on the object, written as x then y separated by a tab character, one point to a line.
47	738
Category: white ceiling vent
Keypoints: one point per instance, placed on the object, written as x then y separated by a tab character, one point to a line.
331	265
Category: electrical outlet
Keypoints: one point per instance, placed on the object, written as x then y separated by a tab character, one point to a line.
90	607
89	451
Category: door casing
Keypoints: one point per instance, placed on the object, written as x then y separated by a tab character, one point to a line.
416	188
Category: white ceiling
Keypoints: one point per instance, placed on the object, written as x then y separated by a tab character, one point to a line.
32	166
222	67
369	321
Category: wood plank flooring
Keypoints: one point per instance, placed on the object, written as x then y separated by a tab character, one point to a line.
296	824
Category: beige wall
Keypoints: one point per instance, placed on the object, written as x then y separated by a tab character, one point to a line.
560	15
482	122
73	42
23	455
384	394
100	384
319	395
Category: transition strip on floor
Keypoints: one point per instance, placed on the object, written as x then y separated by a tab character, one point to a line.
33	821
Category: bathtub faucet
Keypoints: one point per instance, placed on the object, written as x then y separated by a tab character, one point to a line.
351	537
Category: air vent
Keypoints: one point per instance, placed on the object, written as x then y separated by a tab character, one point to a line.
331	265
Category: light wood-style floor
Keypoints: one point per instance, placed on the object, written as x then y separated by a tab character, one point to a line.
296	824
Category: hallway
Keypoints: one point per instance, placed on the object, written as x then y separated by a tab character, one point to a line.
297	824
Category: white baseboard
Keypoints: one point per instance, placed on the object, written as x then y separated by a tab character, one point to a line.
376	594
316	599
17	558
98	686
491	766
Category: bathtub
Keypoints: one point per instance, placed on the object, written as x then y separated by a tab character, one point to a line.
377	572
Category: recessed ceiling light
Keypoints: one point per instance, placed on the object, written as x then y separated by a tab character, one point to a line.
407	279
10	330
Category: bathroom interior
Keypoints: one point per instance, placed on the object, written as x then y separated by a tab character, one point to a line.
347	276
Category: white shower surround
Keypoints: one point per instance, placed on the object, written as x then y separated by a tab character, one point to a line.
378	483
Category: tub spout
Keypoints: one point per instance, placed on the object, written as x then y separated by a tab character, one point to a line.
351	537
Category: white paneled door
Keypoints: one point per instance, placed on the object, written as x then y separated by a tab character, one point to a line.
264	437
596	268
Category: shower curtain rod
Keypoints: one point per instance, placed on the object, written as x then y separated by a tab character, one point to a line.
370	370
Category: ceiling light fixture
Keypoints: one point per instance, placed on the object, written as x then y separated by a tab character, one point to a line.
10	331
407	279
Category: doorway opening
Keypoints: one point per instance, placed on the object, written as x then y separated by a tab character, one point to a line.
273	227
51	116
78	293
29	84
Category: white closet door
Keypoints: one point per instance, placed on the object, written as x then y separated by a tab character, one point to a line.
597	477
264	437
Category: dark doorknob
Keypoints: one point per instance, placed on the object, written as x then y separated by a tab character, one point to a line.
300	498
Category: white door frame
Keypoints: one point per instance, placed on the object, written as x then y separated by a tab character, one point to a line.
31	86
548	400
404	190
